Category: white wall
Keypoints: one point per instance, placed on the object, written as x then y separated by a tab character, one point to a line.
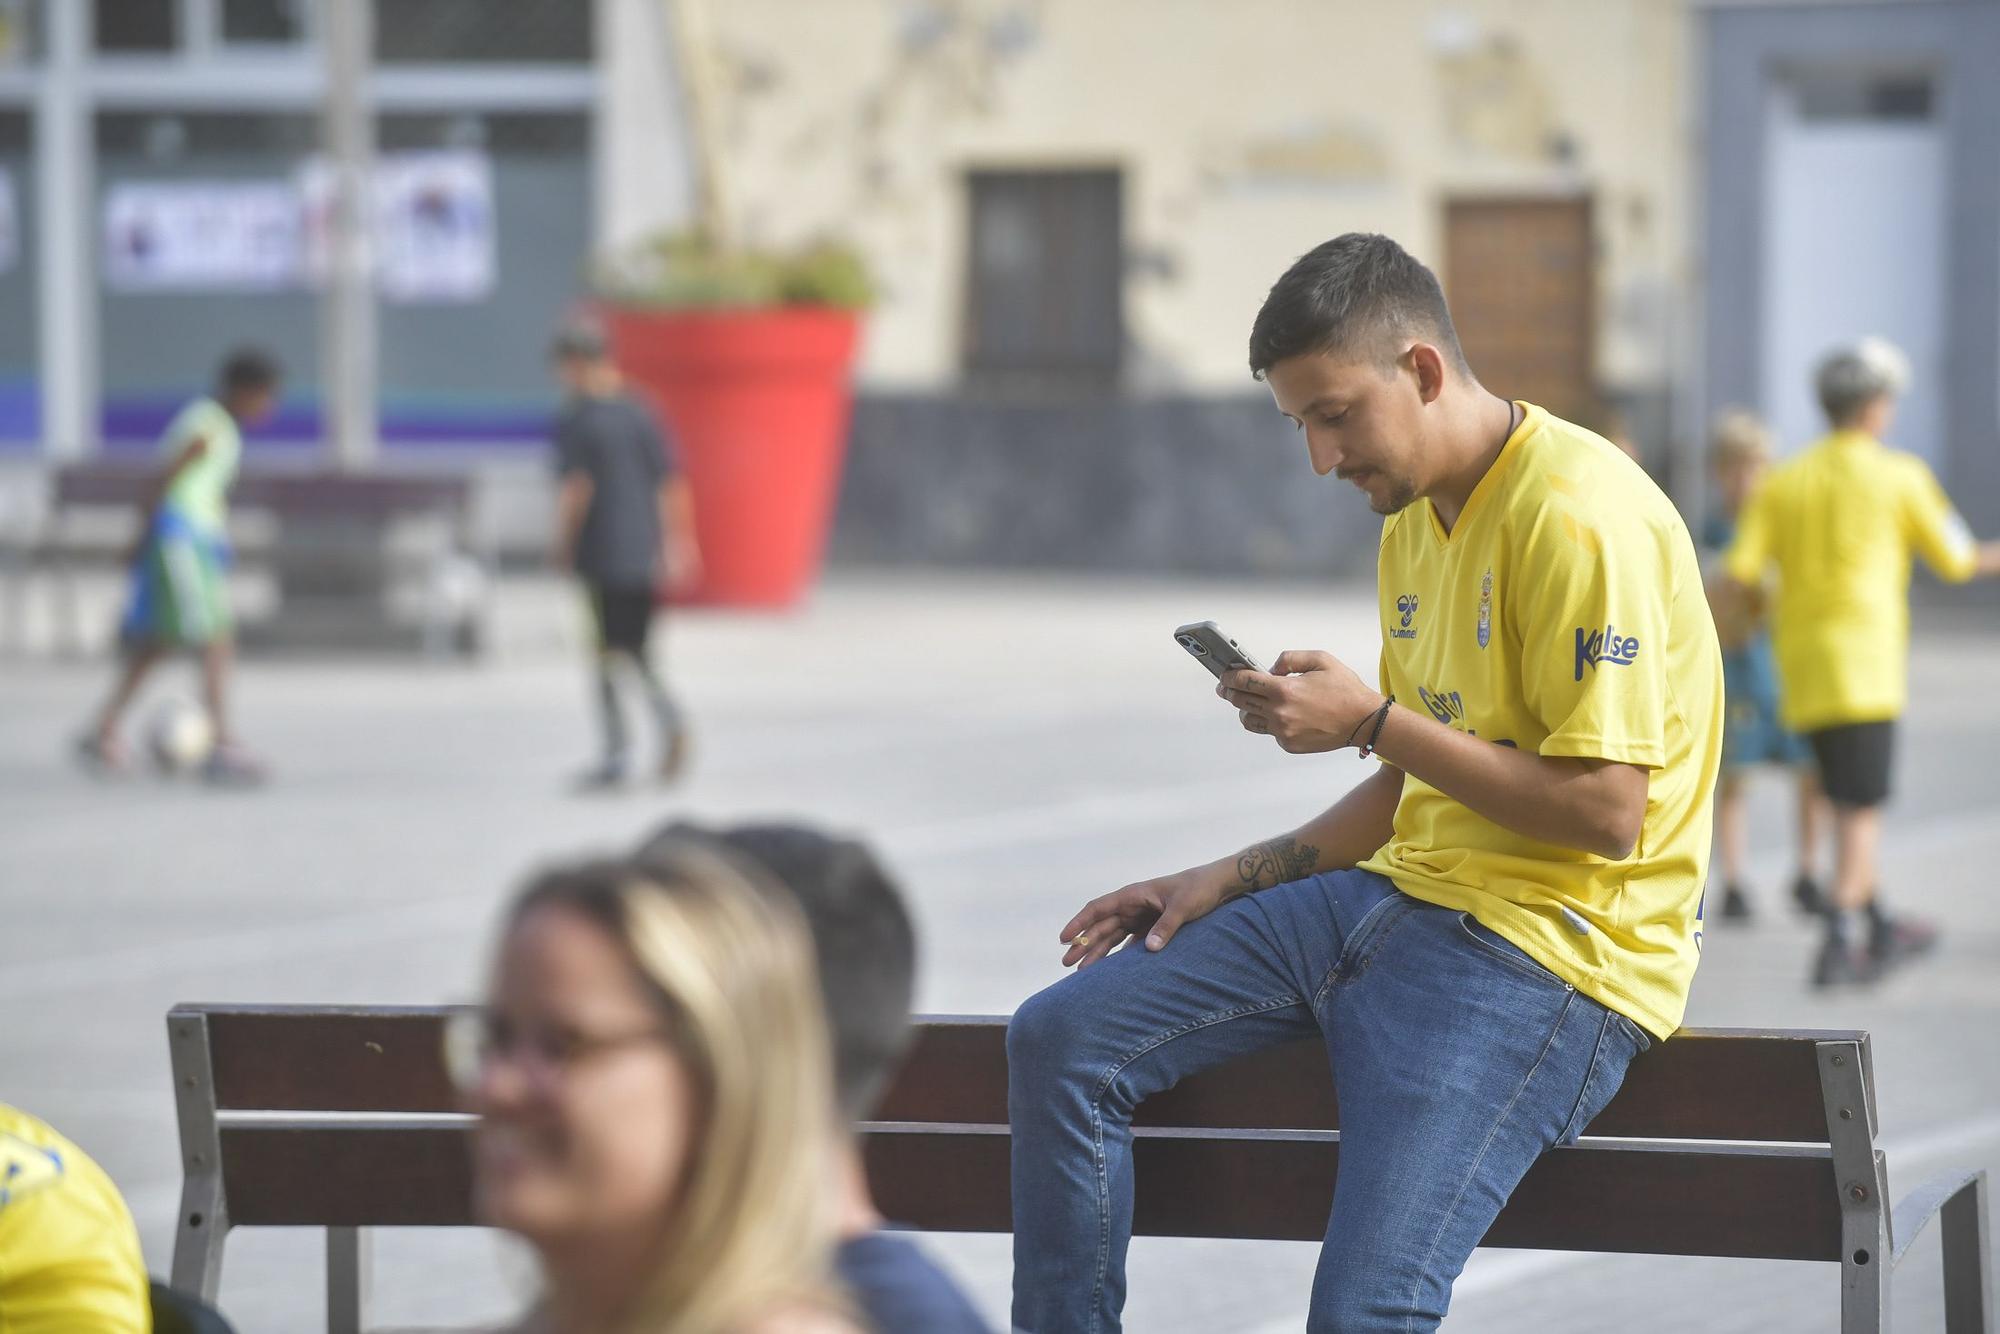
642	177
1248	132
1854	244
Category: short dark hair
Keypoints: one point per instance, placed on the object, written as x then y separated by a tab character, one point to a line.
248	370
862	937
1359	293
580	339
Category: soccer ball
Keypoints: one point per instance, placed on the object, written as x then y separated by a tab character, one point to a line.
179	736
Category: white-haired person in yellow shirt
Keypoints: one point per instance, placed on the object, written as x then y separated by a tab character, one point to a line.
1833	531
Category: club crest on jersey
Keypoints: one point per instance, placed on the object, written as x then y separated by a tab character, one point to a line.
1485	608
25	1168
1406	606
1604	647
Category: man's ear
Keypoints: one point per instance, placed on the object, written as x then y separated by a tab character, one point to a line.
1429	365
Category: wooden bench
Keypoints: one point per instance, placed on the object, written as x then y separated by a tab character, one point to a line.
1723	1142
338	545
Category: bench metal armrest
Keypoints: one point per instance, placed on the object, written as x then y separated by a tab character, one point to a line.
1958	1202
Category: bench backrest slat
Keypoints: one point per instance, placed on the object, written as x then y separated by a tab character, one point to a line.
311	1059
296	493
1764	1202
1704	1084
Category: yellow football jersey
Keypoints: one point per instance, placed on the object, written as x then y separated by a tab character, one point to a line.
1564	614
69	1255
1838	525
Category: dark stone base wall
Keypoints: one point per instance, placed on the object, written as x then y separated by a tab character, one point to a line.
1210	485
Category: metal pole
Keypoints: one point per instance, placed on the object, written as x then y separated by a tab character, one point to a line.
347	333
65	153
694	43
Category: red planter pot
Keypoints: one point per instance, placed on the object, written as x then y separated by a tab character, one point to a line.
758	401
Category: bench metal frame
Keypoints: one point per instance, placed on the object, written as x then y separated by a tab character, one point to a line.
291	512
1873	1239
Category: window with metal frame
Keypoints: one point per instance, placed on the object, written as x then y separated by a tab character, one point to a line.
137	27
479	31
1044	290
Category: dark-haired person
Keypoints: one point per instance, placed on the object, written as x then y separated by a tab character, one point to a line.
624	527
1497	919
1840	526
179	598
866	950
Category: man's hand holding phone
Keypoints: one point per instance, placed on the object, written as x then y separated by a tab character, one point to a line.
1308	702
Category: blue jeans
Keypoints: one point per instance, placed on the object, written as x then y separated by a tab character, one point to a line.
1459	1060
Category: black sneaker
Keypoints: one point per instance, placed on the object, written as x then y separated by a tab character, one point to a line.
1899	940
606	777
1735	904
1843	963
1809	897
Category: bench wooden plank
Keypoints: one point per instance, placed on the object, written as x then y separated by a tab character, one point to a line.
386	1174
314	1059
1771	1202
1704	1084
1776	1202
291	492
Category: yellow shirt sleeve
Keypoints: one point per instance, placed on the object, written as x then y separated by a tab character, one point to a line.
69	1256
1594	636
1749	555
1934	529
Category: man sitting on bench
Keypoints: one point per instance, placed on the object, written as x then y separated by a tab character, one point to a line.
1488	927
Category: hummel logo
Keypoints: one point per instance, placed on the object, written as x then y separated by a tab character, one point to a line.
1407	605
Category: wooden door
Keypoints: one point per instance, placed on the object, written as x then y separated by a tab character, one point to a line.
1520	276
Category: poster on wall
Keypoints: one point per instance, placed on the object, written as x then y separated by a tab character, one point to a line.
201	236
10	230
435	235
433	226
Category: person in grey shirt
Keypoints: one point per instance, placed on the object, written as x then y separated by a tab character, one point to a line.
624	524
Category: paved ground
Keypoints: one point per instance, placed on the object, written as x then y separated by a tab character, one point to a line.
1015	746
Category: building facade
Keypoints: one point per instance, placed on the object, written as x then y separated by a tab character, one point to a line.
1642	211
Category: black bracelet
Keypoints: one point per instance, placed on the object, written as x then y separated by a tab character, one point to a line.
1381	717
1356	730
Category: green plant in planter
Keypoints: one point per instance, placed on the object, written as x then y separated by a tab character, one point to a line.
681	270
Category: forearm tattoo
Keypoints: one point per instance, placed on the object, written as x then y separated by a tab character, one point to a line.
1272	863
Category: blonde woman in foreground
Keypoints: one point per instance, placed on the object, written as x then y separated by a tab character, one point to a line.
652	1079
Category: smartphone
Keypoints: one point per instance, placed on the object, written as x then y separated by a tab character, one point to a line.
1215	650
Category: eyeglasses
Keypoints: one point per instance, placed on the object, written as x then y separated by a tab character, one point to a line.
476	1038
